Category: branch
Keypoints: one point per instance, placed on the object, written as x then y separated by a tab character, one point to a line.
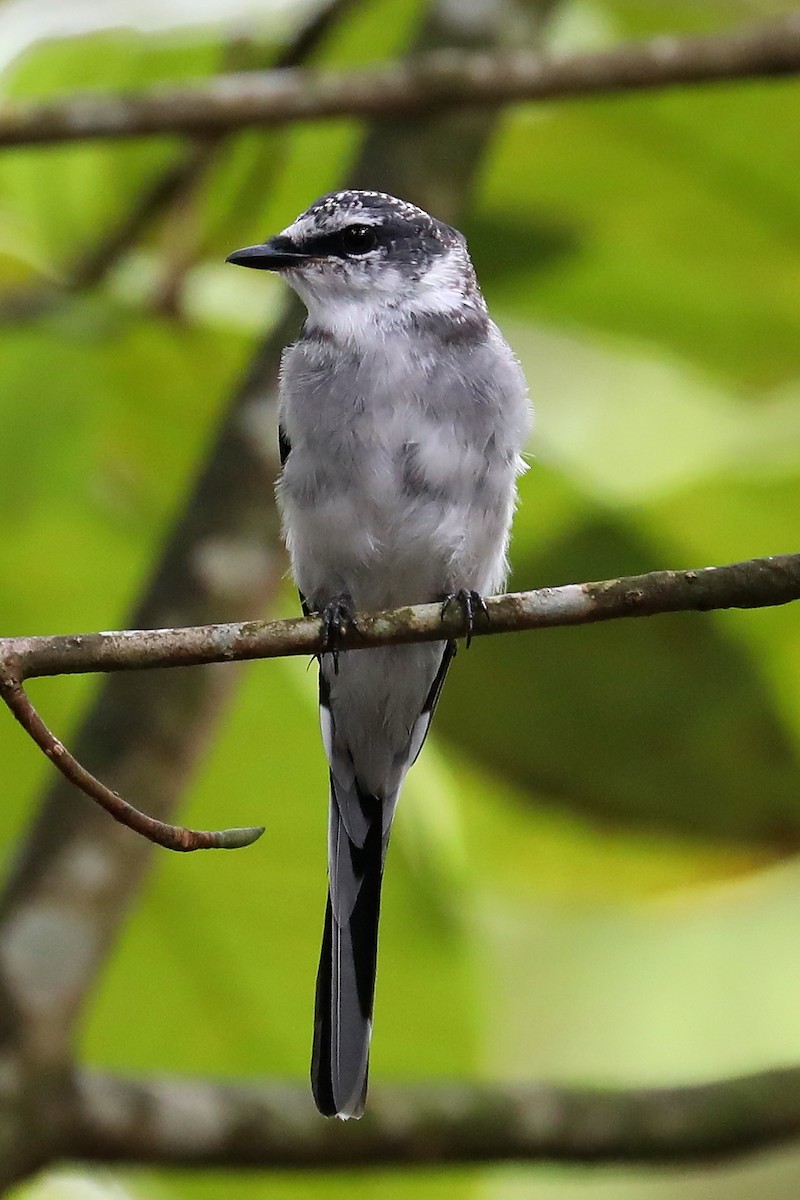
430	83
198	1123
756	583
760	582
172	837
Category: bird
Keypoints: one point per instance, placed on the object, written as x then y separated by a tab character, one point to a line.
402	415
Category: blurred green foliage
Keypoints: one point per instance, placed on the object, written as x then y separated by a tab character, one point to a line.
592	875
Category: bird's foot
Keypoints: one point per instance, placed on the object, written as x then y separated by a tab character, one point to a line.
338	620
471	603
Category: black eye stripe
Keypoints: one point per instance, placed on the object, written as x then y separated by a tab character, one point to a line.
402	240
343	243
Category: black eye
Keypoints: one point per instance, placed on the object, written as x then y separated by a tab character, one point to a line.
359	239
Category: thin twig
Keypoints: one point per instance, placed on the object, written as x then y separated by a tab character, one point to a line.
172	837
756	583
431	83
312	32
181	191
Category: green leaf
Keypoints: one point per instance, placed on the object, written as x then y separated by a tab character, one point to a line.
613	229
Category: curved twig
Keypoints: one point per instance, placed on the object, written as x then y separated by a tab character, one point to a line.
172	837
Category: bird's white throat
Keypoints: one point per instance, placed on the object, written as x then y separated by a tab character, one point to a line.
357	308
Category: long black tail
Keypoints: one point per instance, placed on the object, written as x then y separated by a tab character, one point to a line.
347	965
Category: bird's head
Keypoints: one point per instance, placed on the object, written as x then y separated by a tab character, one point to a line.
360	257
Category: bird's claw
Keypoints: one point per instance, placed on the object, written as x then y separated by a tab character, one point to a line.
471	603
338	620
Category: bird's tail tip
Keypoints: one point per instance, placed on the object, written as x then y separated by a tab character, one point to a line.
344	1000
328	1090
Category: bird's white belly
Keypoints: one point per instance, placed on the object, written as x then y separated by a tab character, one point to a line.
364	542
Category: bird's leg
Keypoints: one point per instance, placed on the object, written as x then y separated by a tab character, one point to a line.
338	619
471	603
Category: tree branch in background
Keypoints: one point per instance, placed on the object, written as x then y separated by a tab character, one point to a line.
431	83
759	582
154	1122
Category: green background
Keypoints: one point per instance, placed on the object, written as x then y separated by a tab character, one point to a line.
593	874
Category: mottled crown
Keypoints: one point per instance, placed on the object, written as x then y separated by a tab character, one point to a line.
410	234
337	208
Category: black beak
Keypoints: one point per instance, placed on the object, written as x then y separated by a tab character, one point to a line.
275	255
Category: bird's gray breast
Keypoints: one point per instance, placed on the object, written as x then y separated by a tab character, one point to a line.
394	448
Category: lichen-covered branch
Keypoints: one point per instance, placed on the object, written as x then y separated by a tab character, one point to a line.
443	80
756	583
759	582
194	1123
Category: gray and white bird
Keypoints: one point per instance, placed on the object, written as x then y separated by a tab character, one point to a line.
402	415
